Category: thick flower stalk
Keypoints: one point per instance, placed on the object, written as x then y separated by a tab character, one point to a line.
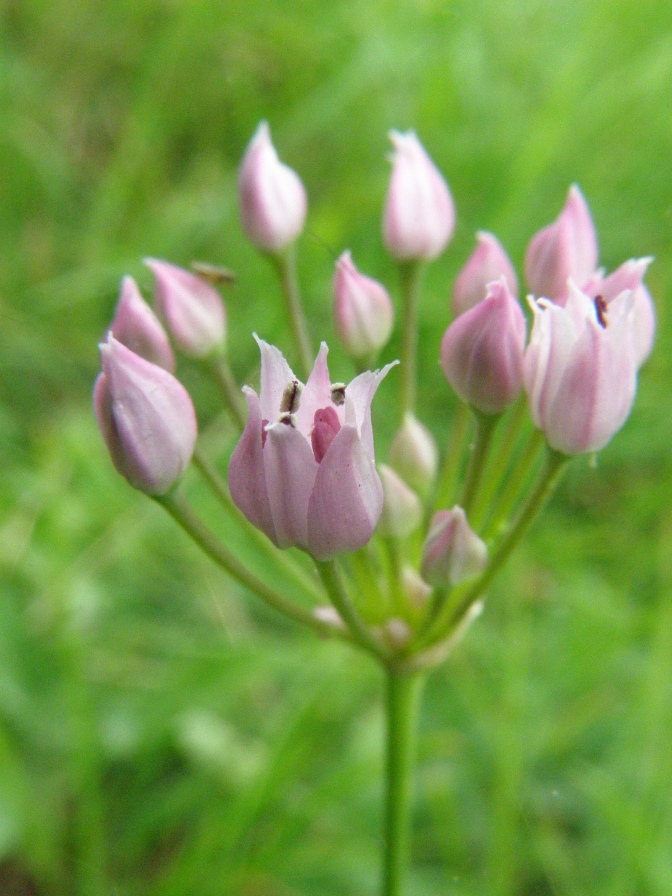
304	470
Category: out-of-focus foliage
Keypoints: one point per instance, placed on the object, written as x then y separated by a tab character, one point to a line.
160	733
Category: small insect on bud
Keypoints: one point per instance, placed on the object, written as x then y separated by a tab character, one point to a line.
213	273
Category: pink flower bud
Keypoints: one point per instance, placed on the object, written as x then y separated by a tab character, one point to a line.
402	510
580	369
304	470
419	216
486	263
145	417
482	351
566	248
191	308
273	202
452	551
414	455
630	275
363	314
137	327
415	588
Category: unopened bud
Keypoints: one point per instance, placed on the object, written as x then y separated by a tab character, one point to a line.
566	248
414	455
482	351
415	588
145	417
363	313
452	552
273	202
419	216
486	263
402	511
191	308
137	327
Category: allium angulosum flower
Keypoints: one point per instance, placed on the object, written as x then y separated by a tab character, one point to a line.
580	369
304	470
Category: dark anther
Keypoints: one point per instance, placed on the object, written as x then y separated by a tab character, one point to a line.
288	419
601	311
338	394
289	403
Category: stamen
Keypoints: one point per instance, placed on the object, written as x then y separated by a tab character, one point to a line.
338	394
288	419
291	397
601	311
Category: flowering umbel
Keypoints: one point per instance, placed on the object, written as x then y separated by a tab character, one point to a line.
304	469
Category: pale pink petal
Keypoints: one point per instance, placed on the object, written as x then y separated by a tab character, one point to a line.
584	238
358	397
347	498
316	393
247	481
276	374
290	469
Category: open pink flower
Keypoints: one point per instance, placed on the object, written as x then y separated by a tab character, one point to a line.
304	470
630	275
580	369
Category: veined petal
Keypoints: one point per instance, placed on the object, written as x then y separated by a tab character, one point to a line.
316	393
358	397
550	347
246	471
290	469
347	499
275	375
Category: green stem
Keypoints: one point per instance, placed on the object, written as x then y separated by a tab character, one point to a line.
182	512
403	704
514	483
502	452
281	558
485	429
411	277
331	575
446	490
285	266
231	392
543	488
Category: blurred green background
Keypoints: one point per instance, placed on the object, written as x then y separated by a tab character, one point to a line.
161	734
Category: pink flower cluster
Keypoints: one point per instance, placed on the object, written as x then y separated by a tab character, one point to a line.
590	333
304	470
